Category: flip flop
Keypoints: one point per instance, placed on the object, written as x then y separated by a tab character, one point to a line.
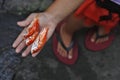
99	46
73	45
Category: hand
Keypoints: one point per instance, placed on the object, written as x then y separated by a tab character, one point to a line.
45	20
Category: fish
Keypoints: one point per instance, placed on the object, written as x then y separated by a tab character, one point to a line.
40	40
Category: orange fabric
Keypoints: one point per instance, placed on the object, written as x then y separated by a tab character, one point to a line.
91	12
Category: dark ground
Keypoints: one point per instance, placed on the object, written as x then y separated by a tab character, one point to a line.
103	65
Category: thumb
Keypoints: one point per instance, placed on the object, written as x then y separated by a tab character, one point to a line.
27	21
23	23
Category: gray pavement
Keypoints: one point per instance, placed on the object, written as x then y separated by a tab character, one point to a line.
103	65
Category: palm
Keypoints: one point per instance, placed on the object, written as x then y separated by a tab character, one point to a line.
44	21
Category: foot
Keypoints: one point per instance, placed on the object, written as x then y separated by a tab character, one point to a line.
66	38
101	31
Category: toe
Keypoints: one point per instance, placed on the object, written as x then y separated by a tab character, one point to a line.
70	55
98	41
93	38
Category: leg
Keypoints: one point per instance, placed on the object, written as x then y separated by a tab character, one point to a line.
66	32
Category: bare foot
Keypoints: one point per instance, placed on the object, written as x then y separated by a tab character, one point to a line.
101	31
66	38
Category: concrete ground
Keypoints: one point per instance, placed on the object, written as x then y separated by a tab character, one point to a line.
103	65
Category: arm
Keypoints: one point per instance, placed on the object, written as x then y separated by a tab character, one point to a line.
62	8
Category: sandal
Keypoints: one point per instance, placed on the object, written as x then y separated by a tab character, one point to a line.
73	45
93	46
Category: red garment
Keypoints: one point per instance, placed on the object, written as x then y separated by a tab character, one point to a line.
91	12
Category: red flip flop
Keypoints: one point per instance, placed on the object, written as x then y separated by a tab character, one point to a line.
99	46
73	45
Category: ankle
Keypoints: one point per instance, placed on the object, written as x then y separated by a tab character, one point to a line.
66	32
102	31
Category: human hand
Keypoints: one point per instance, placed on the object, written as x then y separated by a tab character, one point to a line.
45	20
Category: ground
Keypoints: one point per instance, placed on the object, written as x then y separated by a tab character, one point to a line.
103	65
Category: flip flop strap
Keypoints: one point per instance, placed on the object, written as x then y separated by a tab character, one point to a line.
62	44
100	36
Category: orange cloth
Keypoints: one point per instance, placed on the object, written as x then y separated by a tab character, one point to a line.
91	12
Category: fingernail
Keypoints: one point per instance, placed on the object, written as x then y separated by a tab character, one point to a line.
23	55
13	46
69	57
33	55
92	40
17	51
18	23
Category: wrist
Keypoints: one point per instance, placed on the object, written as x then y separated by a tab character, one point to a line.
55	18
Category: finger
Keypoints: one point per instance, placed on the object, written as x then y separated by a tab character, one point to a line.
50	32
26	52
19	39
20	47
27	21
35	54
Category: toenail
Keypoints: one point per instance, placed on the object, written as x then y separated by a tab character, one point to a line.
69	57
92	40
